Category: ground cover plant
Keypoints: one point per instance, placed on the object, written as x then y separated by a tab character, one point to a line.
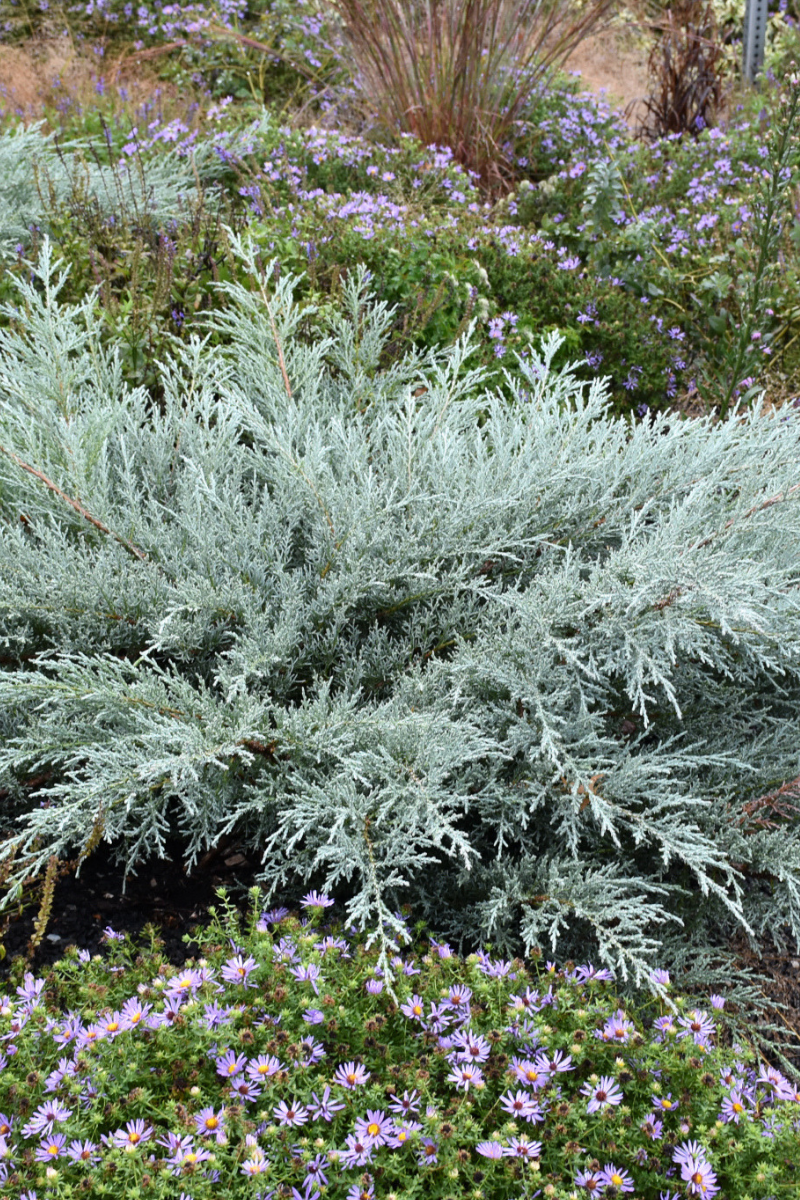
375	618
343	508
279	1062
597	241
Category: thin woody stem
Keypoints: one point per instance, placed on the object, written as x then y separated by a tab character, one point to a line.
750	512
87	516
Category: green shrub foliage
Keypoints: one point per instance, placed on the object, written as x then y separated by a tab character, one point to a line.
529	667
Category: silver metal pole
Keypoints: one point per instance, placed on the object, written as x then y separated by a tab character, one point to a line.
755	28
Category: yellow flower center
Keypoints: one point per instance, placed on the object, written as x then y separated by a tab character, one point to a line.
616	1180
52	1150
666	1103
134	1137
211	1122
737	1107
373	1130
112	1026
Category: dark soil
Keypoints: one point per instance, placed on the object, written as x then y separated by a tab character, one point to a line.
161	893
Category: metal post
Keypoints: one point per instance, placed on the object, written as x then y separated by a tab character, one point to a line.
755	28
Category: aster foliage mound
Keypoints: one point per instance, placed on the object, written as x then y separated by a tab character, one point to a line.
528	666
280	1065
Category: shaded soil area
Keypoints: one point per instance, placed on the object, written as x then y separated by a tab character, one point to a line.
161	893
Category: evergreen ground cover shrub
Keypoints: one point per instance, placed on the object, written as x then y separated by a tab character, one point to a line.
524	664
279	1062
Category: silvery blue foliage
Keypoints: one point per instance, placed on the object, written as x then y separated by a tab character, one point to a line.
520	664
37	175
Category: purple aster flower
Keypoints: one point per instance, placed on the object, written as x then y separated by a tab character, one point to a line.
209	1122
616	1029
215	1017
590	1181
374	986
188	1156
531	1001
184	981
83	1151
428	1152
132	1135
590	974
313	1016
522	1147
470	1047
66	1066
30	991
309	974
665	1102
529	1073
327	944
490	1149
494	969
133	1011
285	951
50	1147
602	1094
555	1063
238	969
697	1025
733	1108
365	1190
317	900
257	1164
45	1117
245	1089
465	1075
230	1064
357	1153
414	1008
402	1133
408	1104
290	1114
374	1128
315	1170
717	1002
324	1109
273	917
264	1066
615	1177
174	1141
665	1027
521	1105
699	1177
313	1052
350	1075
686	1151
